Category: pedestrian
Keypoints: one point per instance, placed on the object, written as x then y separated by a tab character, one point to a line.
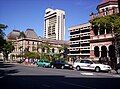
26	61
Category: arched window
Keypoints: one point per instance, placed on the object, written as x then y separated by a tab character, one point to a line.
96	51
53	50
103	51
43	49
111	51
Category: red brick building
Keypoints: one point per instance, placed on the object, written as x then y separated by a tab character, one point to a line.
101	42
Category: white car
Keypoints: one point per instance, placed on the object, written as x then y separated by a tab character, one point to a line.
90	65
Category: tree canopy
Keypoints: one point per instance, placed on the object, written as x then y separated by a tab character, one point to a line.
108	22
32	55
22	35
7	48
2	34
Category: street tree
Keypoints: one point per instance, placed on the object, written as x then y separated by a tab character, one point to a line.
7	49
45	46
22	35
32	55
2	34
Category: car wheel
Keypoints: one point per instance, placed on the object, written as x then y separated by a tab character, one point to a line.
62	67
78	68
97	69
43	65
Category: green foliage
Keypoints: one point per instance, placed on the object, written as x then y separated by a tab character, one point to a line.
47	47
19	55
22	35
32	55
2	34
7	48
108	22
56	56
2	26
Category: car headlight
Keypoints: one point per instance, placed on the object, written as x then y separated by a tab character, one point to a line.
66	65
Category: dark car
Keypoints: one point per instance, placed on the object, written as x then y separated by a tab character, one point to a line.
60	64
117	68
21	61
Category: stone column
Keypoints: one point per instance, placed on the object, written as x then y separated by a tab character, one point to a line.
98	32
105	31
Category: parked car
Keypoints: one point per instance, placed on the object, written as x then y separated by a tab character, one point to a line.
43	63
90	65
117	68
60	64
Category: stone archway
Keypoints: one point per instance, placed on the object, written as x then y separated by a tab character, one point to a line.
53	50
111	51
113	59
103	51
103	57
96	51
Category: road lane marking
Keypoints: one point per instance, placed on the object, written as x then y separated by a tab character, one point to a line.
87	73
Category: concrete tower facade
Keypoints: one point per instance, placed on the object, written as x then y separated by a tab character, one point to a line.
54	24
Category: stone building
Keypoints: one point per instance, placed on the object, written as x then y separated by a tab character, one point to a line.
31	42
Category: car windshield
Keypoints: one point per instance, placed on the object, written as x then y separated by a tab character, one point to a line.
46	61
60	61
87	61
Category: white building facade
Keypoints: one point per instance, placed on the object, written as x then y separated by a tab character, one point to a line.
80	40
54	24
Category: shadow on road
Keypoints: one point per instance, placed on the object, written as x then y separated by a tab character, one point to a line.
6	65
4	71
57	82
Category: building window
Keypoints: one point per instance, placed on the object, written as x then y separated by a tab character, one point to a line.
33	43
63	16
43	49
95	29
53	50
28	42
106	13
103	11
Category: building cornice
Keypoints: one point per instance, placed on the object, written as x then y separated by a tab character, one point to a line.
106	4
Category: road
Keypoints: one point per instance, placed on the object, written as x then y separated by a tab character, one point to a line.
16	76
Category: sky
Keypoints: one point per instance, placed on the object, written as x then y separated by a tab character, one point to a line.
24	14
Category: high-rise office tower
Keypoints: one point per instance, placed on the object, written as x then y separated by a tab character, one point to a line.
54	24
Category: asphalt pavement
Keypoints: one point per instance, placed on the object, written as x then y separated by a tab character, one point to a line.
18	76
